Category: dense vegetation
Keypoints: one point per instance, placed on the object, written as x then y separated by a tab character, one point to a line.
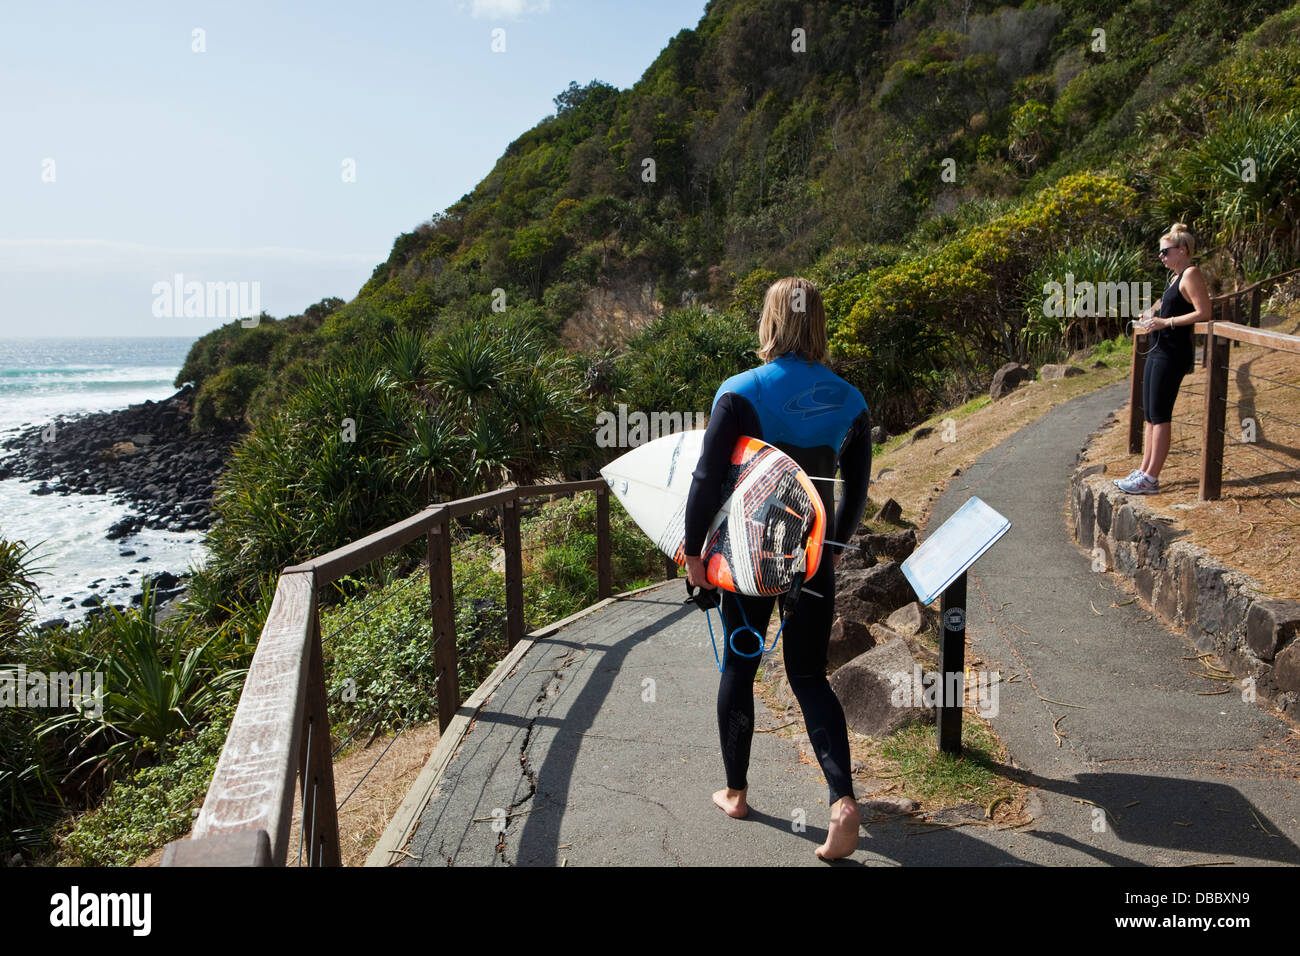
900	130
931	165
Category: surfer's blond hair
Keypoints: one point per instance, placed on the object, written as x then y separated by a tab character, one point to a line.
793	320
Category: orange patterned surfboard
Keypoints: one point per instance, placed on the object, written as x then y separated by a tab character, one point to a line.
770	527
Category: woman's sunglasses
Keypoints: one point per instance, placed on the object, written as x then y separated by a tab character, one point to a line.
1166	250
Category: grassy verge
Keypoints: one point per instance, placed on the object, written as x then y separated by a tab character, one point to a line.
914	471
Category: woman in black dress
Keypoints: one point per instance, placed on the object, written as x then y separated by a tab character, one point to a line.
1169	326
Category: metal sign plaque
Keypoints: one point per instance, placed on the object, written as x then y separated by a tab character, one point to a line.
959	542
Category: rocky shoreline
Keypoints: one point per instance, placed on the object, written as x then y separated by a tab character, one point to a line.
144	457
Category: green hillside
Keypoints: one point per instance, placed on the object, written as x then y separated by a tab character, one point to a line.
930	165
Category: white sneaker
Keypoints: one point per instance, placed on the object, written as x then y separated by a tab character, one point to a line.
1141	485
1129	477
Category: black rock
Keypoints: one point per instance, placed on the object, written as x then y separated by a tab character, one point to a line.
891	512
162	580
120	529
1007	378
170	463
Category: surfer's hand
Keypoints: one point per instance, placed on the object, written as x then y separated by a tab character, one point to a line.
696	575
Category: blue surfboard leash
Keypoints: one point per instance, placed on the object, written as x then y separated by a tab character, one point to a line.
706	600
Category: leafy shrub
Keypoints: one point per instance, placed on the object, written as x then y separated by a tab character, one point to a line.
680	359
155	805
159	681
224	398
961	303
1094	263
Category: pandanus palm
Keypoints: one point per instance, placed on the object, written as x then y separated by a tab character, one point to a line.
1239	185
469	364
405	355
491	453
157	682
545	401
431	459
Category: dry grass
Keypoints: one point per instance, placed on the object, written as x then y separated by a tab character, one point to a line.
915	473
1255	526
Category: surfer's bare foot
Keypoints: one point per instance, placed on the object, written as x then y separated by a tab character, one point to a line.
842	835
732	802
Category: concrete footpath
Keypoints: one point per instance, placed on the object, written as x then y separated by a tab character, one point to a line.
600	747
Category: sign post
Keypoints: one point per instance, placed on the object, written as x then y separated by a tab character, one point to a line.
952	666
938	567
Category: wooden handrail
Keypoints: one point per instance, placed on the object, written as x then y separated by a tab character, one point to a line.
1277	341
280	733
331	566
1258	284
562	488
252	787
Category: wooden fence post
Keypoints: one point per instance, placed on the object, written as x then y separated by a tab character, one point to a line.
604	573
1255	299
513	546
1216	406
1136	416
444	620
1216	314
320	820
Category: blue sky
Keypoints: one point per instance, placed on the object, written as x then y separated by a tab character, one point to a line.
129	157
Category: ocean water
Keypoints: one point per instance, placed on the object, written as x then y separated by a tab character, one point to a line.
41	379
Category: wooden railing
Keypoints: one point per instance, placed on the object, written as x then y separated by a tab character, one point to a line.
1224	328
280	734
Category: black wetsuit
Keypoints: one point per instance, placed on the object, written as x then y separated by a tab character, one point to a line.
820	421
1170	358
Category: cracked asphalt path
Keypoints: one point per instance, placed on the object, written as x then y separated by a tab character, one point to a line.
601	747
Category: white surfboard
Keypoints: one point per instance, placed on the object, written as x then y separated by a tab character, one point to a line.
769	528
